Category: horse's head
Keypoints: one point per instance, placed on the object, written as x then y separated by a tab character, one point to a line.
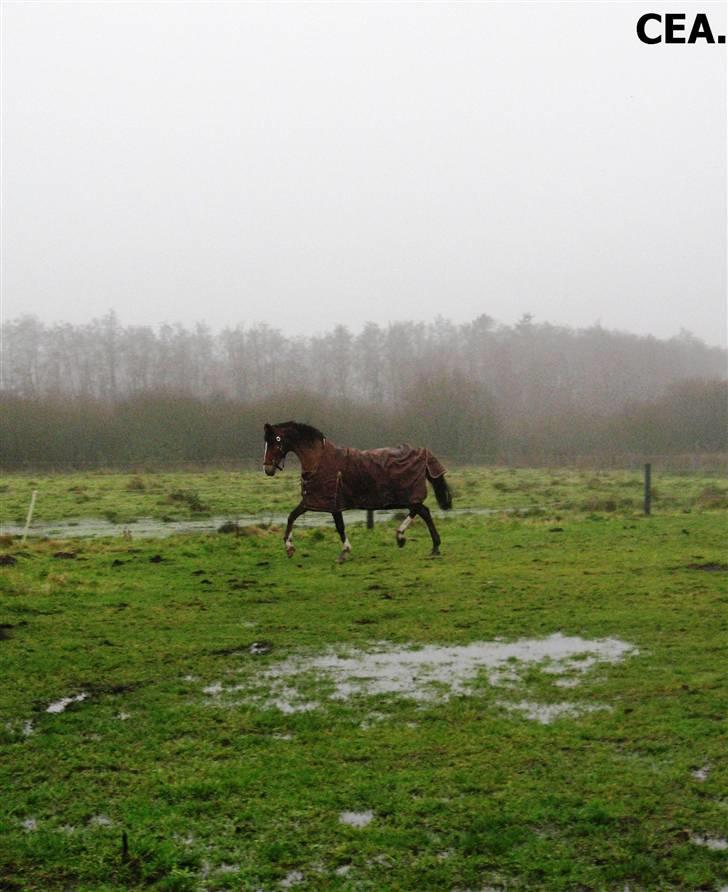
276	447
290	436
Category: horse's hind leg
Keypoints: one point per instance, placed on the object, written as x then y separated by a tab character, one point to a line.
402	528
341	530
424	513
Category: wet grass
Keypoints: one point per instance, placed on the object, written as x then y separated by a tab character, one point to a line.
183	495
216	792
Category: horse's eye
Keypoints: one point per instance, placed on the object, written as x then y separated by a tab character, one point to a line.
278	439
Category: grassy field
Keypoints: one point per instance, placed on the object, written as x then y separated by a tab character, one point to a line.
187	739
179	495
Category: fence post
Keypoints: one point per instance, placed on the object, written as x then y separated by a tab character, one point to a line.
648	489
30	515
370	519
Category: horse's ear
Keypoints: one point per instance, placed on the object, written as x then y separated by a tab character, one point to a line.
267	428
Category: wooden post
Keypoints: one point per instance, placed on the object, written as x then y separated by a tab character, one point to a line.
648	489
30	515
370	520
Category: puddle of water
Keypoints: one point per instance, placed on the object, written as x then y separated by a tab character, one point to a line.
288	708
260	647
567	682
716	843
151	528
374	718
379	861
356	818
426	674
228	869
546	713
64	702
26	729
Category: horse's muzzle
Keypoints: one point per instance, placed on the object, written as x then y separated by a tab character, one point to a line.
269	469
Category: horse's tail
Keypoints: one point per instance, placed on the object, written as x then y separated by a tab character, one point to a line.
442	491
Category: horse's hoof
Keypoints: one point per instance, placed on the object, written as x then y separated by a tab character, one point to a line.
342	557
435	553
290	551
401	541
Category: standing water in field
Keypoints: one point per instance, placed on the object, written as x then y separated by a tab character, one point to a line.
428	674
152	528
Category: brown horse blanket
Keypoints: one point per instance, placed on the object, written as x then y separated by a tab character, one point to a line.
394	477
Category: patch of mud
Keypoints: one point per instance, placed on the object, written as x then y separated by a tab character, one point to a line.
356	818
62	704
426	674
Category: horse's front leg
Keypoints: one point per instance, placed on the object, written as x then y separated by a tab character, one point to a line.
340	529
424	513
287	536
402	528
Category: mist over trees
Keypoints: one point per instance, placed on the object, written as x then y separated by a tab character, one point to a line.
107	393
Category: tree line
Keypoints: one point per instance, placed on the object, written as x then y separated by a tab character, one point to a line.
103	393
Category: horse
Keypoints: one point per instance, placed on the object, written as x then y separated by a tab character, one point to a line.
334	479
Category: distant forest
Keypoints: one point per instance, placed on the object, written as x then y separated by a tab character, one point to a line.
107	394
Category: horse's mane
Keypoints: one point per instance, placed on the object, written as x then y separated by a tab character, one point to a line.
304	433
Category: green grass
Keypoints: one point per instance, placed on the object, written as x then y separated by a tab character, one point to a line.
222	793
183	495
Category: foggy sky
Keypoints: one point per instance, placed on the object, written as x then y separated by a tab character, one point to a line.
306	165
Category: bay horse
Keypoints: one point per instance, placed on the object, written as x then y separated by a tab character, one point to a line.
335	478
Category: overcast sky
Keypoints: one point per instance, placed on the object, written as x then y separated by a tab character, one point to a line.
312	164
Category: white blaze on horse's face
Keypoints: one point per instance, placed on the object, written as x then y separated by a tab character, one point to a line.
267	466
273	456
